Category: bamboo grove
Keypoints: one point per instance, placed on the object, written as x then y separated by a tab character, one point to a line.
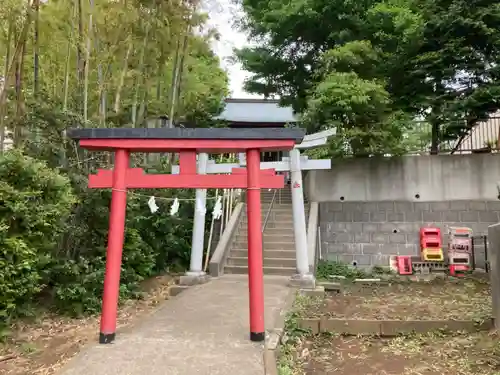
109	61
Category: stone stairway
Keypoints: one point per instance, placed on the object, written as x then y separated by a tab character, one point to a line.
278	238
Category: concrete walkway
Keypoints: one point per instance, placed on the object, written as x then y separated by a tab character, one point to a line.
204	330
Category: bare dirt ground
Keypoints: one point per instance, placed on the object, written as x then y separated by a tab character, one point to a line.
431	354
42	347
437	353
467	299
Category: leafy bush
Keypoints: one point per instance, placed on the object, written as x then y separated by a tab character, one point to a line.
35	202
153	244
53	229
326	269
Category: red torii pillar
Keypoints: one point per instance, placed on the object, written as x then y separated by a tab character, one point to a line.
187	142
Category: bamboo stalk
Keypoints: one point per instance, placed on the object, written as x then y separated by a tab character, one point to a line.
122	78
138	80
11	71
36	42
87	63
4	83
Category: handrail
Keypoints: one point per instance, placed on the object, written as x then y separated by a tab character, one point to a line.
269	210
216	265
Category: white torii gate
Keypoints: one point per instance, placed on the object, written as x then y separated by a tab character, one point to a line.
295	164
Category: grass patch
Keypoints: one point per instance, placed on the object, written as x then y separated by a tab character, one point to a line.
328	270
289	359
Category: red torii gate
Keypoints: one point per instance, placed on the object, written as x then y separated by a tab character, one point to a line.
187	142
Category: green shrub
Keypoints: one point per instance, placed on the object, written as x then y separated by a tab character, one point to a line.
35	202
51	241
326	269
153	243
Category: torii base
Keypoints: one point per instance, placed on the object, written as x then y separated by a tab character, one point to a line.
303	281
194	278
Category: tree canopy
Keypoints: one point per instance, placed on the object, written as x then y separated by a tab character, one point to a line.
372	67
111	62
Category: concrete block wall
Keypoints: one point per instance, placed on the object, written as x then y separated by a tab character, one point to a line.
369	232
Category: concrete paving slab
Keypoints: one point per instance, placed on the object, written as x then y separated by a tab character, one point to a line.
204	330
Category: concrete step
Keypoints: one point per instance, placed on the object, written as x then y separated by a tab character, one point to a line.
267	245
279	271
243	253
243	239
277	199
275	219
280	210
282	216
279	224
277	206
274	213
272	235
279	245
268	193
282	232
268	262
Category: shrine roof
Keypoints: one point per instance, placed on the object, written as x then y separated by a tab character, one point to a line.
295	134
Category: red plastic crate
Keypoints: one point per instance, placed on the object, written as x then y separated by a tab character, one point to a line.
404	265
458	270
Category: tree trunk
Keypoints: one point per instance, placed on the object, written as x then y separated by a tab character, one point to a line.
87	65
140	79
173	88
11	72
6	73
36	63
80	61
68	60
122	78
181	64
17	138
435	138
436	116
66	78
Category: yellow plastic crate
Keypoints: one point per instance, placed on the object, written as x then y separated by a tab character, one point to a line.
433	255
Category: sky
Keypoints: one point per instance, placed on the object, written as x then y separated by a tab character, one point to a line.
223	14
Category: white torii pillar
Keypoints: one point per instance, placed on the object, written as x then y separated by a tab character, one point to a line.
198	239
196	275
295	164
299	220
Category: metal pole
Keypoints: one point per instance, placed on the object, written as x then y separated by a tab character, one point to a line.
255	259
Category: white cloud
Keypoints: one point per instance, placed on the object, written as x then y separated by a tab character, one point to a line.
223	14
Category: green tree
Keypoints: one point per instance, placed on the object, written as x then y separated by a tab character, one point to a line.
435	59
450	74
